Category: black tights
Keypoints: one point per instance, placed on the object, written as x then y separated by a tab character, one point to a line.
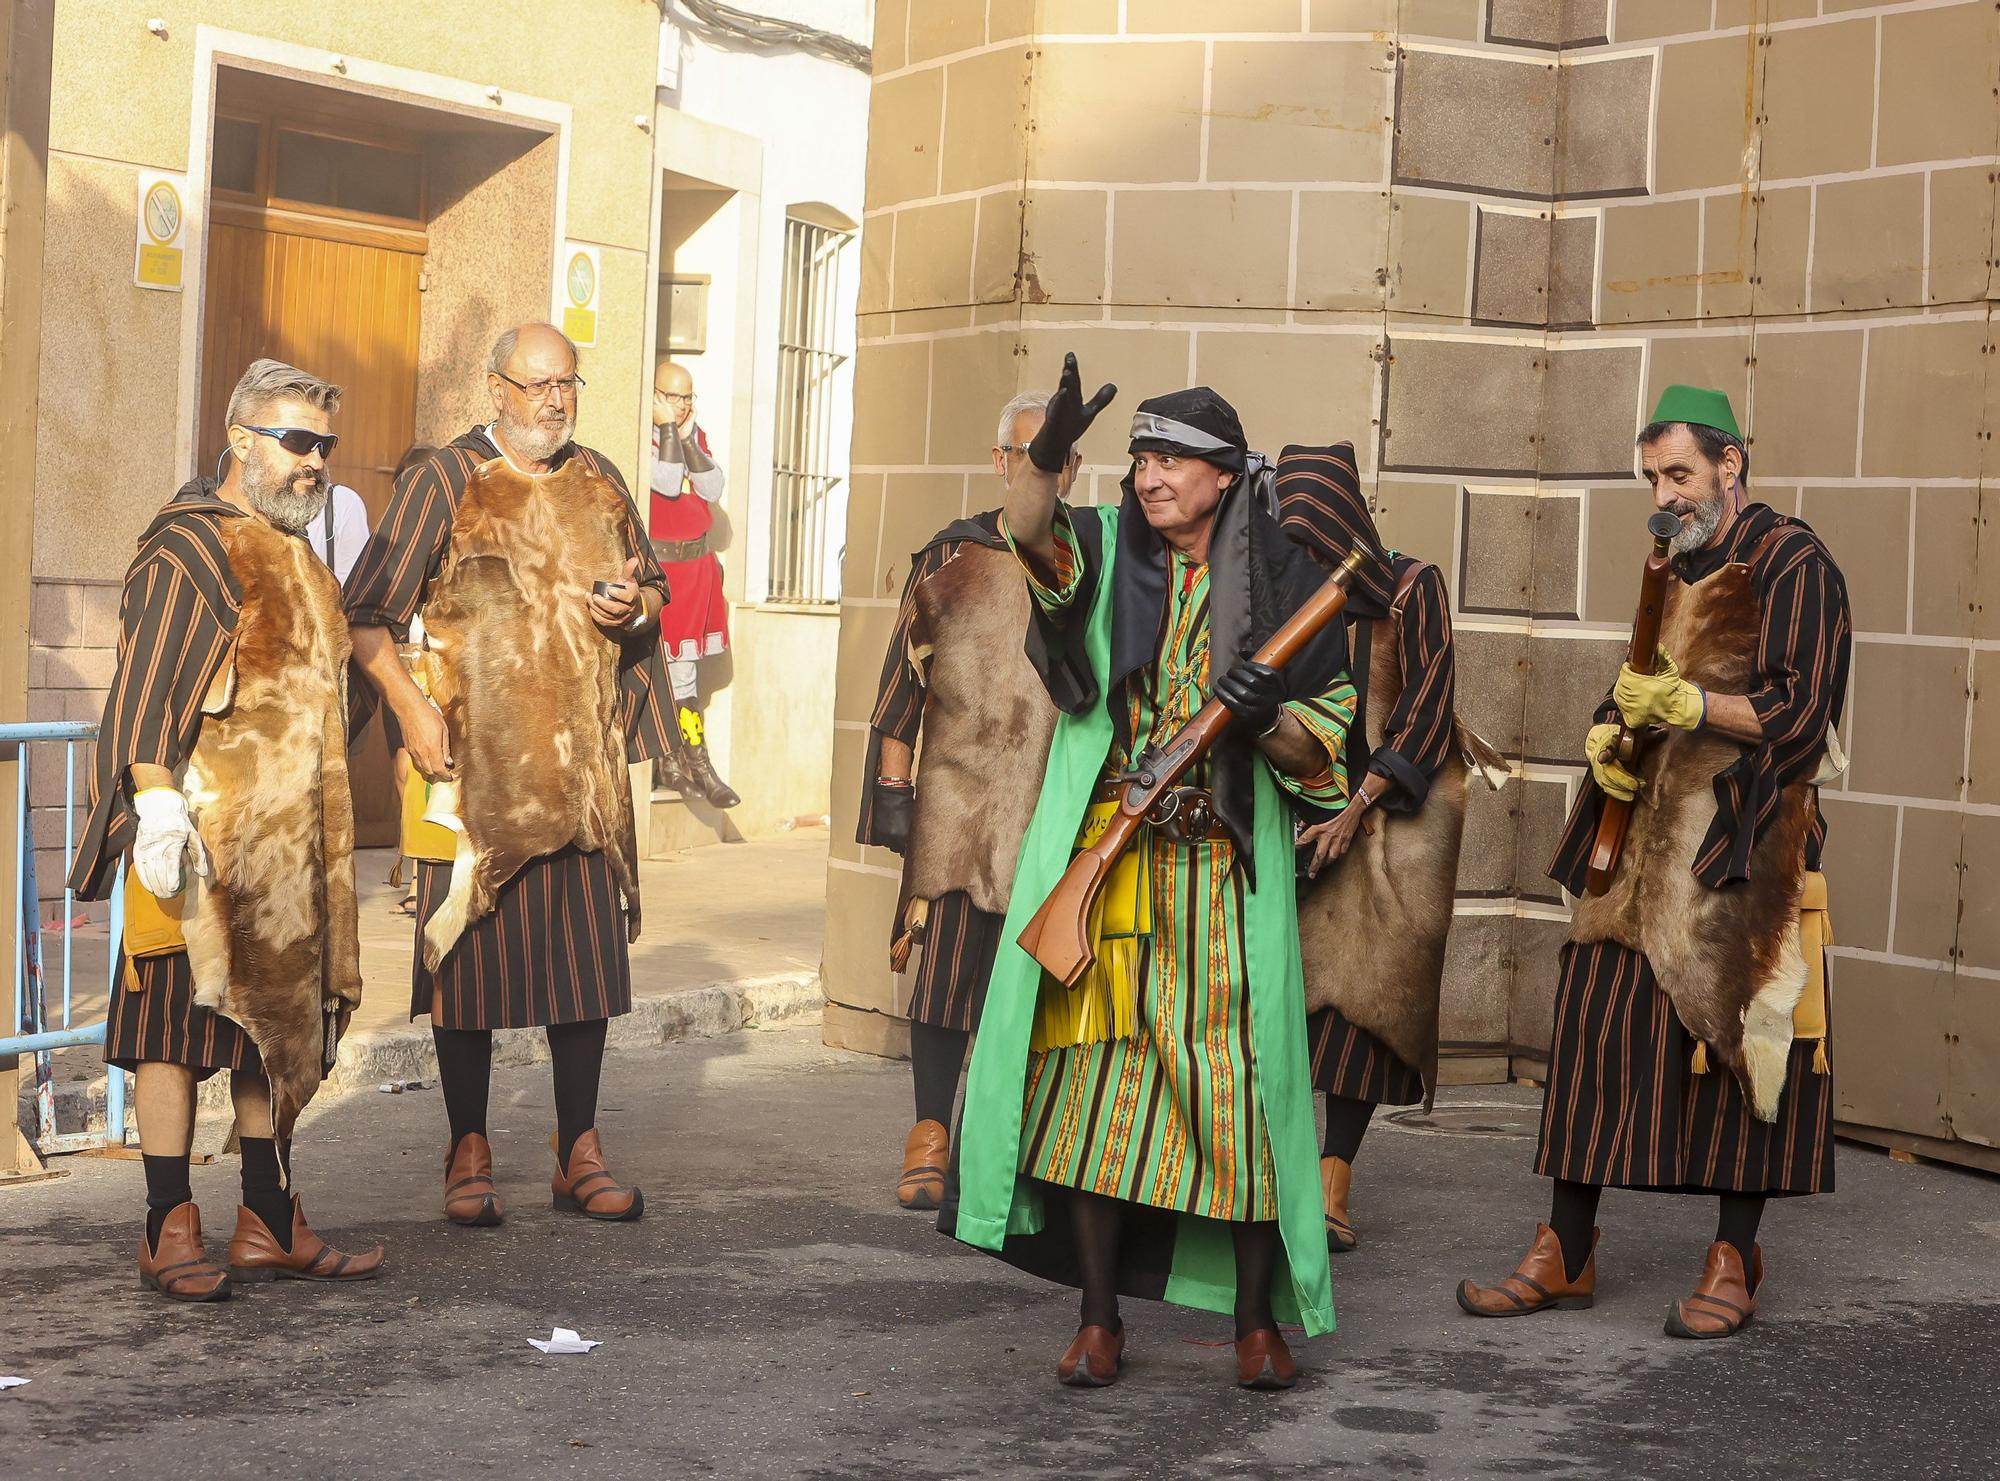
936	1057
465	1069
1573	1214
1346	1124
1095	1222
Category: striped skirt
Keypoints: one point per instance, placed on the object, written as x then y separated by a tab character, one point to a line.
162	1024
1623	1109
1352	1062
552	951
960	942
1171	1117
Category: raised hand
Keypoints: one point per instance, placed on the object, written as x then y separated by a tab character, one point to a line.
1068	417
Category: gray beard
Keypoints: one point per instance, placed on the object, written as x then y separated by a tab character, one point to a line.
1698	529
284	506
535	442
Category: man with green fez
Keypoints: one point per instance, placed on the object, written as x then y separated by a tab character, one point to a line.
1689	1049
1150	1132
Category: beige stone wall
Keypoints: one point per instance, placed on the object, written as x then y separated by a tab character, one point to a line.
1476	237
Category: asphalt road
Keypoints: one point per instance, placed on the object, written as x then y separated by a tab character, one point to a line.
775	1315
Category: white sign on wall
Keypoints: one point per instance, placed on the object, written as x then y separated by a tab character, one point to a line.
577	289
157	255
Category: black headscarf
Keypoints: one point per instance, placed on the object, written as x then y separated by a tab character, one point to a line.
1320	505
1257	578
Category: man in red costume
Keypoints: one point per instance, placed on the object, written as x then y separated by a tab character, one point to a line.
695	623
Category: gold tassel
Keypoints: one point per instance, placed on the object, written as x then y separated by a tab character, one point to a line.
899	953
1699	1064
1820	1066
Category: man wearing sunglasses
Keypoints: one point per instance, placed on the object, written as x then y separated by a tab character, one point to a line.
221	768
552	953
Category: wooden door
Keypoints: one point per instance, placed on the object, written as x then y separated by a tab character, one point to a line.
335	293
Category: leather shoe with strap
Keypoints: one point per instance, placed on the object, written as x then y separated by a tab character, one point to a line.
926	1153
177	1266
469	1195
1537	1284
1264	1362
1094	1358
586	1187
255	1254
1723	1303
1336	1179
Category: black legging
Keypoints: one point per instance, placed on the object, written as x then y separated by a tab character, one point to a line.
576	1056
1573	1216
1346	1124
936	1057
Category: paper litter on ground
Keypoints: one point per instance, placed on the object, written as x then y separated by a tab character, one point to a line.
562	1339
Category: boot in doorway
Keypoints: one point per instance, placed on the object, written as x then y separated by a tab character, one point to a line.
700	770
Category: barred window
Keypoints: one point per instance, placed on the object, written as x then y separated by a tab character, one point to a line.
807	512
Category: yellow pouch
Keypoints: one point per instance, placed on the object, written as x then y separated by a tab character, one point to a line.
1815	936
1104	1004
152	926
423	839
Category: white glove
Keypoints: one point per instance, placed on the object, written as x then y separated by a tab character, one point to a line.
167	842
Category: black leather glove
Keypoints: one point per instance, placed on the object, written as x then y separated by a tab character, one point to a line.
1068	417
1255	692
889	818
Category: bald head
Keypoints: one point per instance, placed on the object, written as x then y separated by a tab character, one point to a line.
673	395
531	377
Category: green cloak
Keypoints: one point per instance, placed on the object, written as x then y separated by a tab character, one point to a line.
996	1209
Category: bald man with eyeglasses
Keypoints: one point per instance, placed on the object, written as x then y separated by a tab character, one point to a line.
553	952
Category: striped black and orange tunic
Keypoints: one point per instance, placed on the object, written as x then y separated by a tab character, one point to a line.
1622	1107
960	939
553	950
176	624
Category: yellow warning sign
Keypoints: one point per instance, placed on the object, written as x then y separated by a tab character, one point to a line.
157	253
577	293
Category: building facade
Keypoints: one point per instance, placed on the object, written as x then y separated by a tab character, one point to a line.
373	192
1476	237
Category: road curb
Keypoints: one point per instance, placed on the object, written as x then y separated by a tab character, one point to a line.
405	1052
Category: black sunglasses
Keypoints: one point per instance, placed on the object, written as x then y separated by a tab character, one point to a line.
298	441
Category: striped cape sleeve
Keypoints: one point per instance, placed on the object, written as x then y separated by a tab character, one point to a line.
176	622
644	695
1417	737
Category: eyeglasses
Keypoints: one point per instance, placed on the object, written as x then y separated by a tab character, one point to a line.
1013	447
687	396
298	441
565	387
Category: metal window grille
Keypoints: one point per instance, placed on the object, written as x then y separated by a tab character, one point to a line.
802	477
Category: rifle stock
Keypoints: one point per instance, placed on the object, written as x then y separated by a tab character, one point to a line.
1058	935
1616	818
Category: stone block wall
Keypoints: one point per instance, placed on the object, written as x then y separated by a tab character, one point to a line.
1477	237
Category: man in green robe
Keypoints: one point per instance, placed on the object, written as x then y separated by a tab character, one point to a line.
1151	1131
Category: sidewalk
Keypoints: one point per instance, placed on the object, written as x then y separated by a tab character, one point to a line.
730	938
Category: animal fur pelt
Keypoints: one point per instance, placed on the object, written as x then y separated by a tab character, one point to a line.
1372	929
528	684
1728	958
987	724
271	928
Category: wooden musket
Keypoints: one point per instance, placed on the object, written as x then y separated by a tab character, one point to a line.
1059	935
1617	815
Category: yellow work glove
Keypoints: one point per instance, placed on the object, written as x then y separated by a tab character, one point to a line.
1610	775
1662	697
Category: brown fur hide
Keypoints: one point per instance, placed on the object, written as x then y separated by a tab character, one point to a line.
528	684
986	731
1728	958
271	930
1372	929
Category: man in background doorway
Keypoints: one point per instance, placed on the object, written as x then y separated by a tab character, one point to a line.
695	624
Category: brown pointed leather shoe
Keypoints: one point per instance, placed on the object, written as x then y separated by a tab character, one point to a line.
1094	1358
255	1254
1723	1303
926	1154
178	1267
587	1186
1336	1177
1264	1362
1537	1284
469	1196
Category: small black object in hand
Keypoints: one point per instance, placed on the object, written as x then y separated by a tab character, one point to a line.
604	588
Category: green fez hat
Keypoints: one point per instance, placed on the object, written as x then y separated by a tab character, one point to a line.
1699	406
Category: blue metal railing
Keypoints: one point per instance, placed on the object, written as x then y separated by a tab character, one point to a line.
32	1031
